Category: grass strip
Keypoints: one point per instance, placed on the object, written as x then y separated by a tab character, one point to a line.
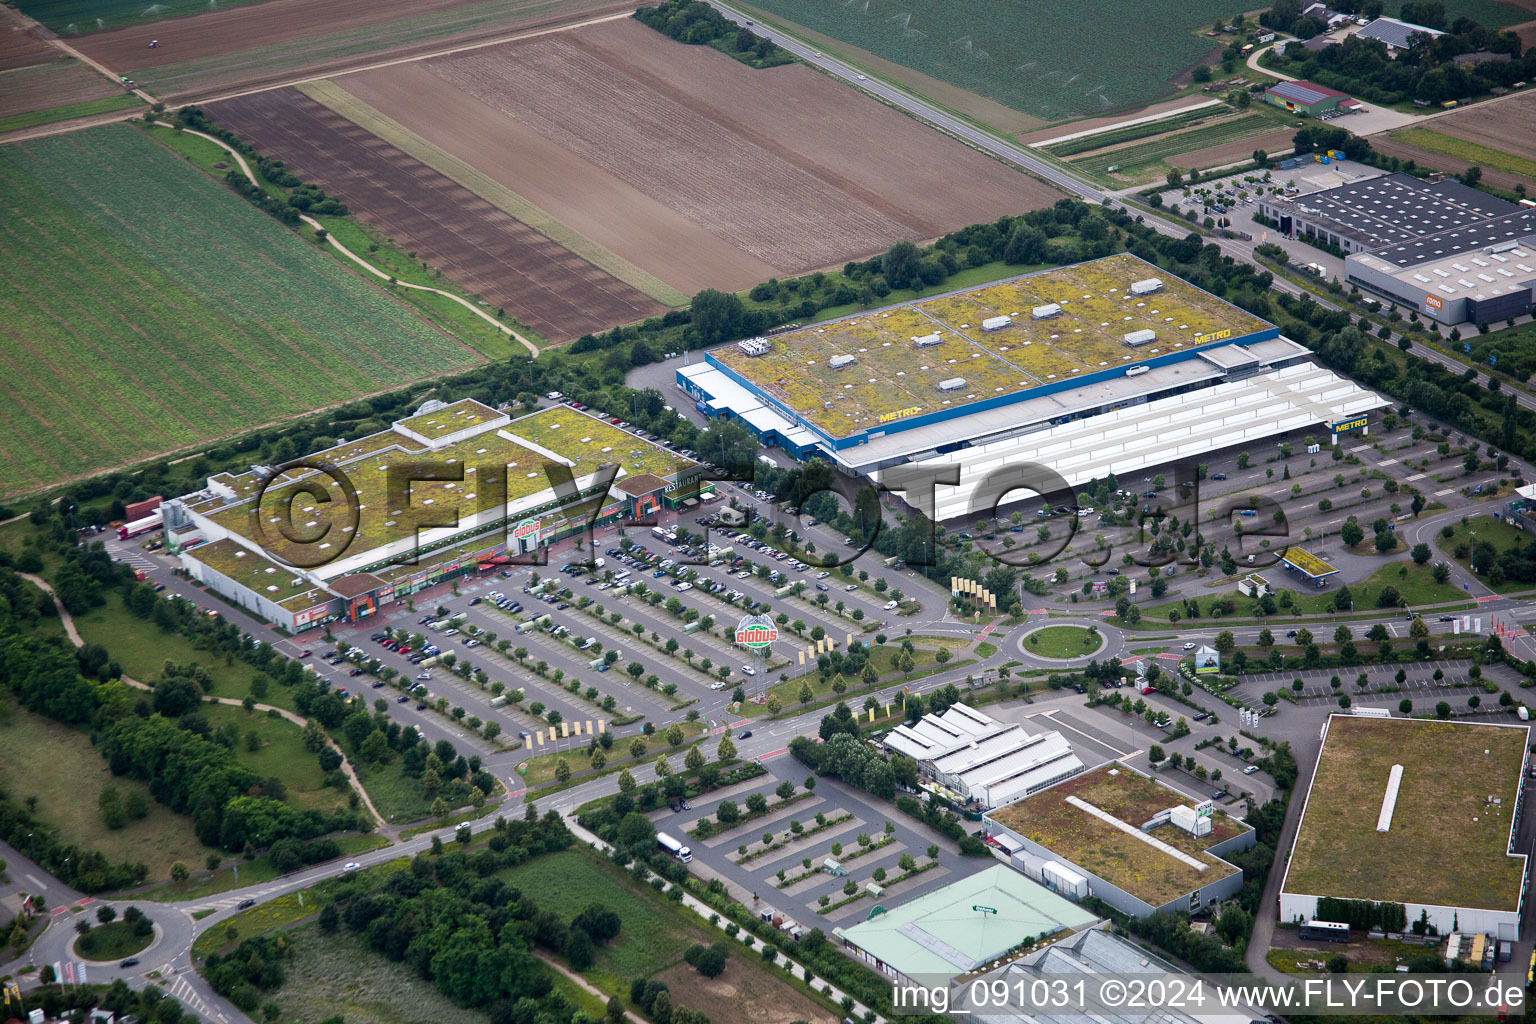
33	118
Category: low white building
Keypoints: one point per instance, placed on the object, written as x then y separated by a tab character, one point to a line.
980	759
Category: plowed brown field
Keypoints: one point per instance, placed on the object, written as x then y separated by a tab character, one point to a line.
21	42
544	285
37	75
52	85
690	165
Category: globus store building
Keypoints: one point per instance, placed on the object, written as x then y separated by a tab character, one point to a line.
502	488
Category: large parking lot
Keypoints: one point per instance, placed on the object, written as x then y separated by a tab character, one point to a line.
848	815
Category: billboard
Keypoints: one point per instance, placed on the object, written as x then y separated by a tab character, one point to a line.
1357	423
756	632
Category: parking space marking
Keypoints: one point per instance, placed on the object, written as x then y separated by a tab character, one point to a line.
1448	490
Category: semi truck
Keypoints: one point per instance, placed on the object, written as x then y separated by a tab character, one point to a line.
672	848
135	527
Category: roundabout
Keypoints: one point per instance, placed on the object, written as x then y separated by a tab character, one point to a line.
1062	643
111	942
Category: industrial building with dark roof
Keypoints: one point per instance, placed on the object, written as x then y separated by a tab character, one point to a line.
1445	249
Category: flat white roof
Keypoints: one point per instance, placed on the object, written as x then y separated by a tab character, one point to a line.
1044	408
729	395
1154	433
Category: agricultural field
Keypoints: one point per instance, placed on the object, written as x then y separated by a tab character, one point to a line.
230	44
73	17
147	310
485	249
43	85
1133	132
1498	136
69	790
1142	161
1061	61
622	136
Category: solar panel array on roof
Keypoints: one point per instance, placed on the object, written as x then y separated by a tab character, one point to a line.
1397	209
1304	93
1466	238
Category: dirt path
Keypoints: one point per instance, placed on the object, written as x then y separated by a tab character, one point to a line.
297	719
245	169
585	985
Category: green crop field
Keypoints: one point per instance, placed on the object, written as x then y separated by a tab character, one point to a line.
1053	61
1135	162
145	309
1471	152
1130	133
72	17
33	118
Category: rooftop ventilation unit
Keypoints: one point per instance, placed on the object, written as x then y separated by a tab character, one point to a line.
1389	799
1137	371
1140	337
928	340
1045	312
953	384
754	347
1147	287
996	323
839	362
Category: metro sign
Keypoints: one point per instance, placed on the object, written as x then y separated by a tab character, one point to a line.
526	528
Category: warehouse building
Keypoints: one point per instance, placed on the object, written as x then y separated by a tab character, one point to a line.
1441	247
1454	254
1100	366
1419	813
973	759
1310	100
1396	35
961	927
1084	958
1151	847
452	490
1483	273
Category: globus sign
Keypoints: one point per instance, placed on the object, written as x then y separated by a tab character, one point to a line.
526	528
756	631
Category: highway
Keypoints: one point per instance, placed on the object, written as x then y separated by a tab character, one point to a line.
935	115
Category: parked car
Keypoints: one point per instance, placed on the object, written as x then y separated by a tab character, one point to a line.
1250	769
